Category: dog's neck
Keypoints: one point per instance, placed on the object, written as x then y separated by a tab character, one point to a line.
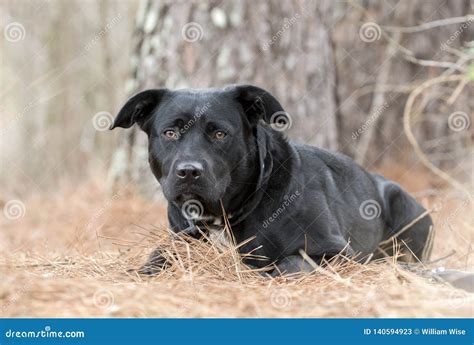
273	152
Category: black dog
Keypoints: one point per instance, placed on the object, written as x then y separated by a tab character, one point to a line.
217	149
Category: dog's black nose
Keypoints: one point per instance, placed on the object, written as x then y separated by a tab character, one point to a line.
189	170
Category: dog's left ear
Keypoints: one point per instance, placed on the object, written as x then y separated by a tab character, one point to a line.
138	108
258	104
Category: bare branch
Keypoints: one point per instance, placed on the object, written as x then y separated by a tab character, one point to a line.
430	25
411	138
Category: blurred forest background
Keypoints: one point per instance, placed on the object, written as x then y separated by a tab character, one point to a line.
390	83
342	69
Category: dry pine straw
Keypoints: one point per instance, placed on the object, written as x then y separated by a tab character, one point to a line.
204	280
207	281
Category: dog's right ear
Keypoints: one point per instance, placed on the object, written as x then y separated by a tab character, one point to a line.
138	108
258	104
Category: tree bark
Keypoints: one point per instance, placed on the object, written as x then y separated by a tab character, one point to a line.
310	55
282	46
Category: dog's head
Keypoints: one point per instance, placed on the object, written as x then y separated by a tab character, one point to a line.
202	143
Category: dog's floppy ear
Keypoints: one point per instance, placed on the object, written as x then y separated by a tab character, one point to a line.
138	108
258	104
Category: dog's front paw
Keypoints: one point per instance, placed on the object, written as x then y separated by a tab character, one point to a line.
155	263
292	264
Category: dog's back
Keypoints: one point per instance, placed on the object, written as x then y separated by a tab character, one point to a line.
375	209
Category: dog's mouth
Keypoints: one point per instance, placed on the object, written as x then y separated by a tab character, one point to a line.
187	197
199	197
195	207
180	193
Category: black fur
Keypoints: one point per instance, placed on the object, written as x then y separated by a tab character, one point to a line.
291	197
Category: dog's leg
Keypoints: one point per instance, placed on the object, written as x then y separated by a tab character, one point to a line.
192	230
155	263
292	264
300	263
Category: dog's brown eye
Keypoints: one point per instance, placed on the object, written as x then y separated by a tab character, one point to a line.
170	134
219	135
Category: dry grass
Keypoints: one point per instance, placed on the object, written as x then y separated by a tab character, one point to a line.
70	256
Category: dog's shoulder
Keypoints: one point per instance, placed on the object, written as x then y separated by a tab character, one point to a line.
336	162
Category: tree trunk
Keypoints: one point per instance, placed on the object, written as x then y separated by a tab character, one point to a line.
343	92
282	46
